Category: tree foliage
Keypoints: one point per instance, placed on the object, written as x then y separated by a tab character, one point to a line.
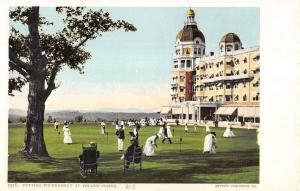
50	119
54	50
78	118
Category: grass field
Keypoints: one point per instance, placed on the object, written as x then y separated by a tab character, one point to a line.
236	161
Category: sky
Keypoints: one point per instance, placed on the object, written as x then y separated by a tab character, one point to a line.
132	70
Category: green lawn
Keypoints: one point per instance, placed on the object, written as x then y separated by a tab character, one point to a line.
236	161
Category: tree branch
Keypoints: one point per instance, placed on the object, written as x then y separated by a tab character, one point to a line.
16	62
16	67
51	82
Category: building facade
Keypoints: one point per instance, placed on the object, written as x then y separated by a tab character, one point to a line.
222	86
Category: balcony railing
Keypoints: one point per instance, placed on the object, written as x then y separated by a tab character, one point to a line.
173	82
173	93
227	78
176	56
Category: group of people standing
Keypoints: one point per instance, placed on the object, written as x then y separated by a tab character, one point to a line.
120	133
164	133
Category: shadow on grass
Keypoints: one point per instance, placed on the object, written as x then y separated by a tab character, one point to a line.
166	167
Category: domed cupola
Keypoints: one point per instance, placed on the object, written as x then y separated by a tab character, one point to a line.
190	30
230	42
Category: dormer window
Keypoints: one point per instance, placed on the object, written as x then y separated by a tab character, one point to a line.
228	48
197	42
236	47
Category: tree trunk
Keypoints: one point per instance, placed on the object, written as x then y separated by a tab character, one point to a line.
34	133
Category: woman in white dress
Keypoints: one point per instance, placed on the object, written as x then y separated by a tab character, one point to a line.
67	134
169	132
149	145
210	142
103	127
207	129
117	125
228	132
161	133
186	129
257	137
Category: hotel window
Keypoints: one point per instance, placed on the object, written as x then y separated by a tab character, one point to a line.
245	60
195	50
188	63
197	42
245	97
256	58
181	78
182	65
199	50
244	84
245	71
228	97
256	98
176	66
236	98
237	72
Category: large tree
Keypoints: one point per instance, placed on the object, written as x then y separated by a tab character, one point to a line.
35	57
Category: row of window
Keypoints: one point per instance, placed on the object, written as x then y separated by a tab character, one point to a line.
227	98
197	51
183	64
218	64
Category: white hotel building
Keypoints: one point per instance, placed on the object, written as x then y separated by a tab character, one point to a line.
223	86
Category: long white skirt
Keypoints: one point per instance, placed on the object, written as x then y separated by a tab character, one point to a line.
161	134
120	144
257	137
149	147
228	133
207	128
67	137
209	144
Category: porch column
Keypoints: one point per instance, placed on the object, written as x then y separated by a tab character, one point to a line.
199	113
181	115
193	114
188	114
